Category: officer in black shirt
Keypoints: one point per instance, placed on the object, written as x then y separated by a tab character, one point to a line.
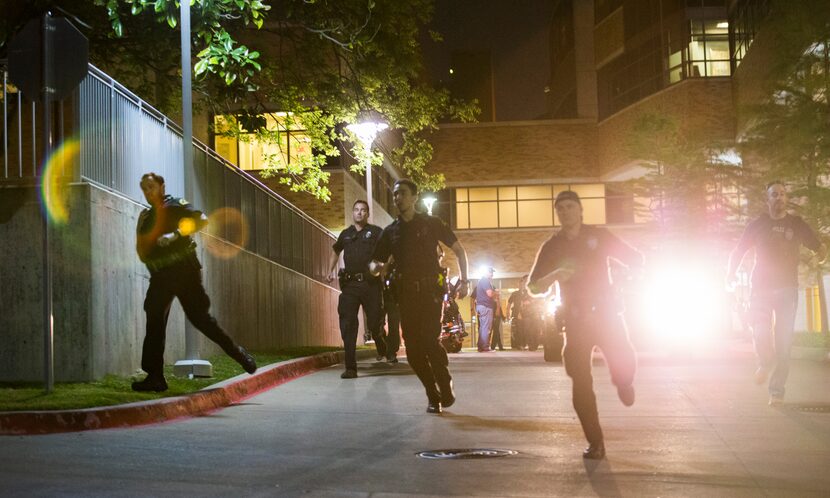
164	244
411	240
357	286
776	237
577	257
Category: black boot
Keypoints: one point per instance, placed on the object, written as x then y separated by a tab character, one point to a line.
447	395
245	359
434	398
150	384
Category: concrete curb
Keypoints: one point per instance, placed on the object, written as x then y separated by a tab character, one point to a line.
167	409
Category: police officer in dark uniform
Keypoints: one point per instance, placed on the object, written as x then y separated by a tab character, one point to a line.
411	240
577	256
358	287
165	245
393	316
776	237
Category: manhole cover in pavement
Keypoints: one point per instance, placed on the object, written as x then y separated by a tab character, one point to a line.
811	408
458	454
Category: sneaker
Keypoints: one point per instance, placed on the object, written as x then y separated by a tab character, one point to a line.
245	360
626	394
349	374
150	384
379	357
761	375
776	400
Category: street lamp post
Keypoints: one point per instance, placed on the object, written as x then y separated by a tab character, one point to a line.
366	131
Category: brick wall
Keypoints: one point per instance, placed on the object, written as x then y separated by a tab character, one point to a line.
703	107
505	152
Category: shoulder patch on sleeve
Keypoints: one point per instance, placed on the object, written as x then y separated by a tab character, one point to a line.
182	201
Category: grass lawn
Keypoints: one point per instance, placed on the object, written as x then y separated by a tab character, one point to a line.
811	340
115	390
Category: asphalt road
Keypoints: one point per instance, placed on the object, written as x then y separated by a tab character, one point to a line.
699	428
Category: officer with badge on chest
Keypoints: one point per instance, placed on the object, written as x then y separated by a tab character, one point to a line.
577	257
358	288
165	245
411	241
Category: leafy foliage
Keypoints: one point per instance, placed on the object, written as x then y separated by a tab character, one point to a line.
690	183
323	61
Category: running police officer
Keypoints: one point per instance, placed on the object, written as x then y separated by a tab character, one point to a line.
776	237
577	257
358	287
165	245
411	240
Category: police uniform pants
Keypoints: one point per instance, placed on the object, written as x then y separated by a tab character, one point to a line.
393	328
772	318
607	331
182	281
353	296
421	324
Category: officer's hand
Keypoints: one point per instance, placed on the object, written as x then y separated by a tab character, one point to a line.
167	239
375	267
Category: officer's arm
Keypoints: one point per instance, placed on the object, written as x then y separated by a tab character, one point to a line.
737	254
334	259
541	277
461	254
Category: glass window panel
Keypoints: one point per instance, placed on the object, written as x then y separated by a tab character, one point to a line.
716	26
483	194
533	192
462	215
697	26
717	49
559	188
676	58
507	214
461	194
535	213
226	147
588	190
718	68
642	212
676	75
593	211
506	193
484	214
698	69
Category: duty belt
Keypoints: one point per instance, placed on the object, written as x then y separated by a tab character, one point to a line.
169	260
353	277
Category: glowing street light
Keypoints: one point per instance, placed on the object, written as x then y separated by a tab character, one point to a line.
366	131
429	201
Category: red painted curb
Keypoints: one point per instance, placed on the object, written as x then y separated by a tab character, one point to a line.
164	409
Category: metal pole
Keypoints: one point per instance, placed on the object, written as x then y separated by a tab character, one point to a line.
191	366
369	182
48	318
191	339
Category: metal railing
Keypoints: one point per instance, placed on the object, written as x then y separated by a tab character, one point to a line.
122	137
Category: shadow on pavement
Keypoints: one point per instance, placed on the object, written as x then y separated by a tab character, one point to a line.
518	425
601	476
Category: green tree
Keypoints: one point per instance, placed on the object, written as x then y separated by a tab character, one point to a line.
690	182
788	132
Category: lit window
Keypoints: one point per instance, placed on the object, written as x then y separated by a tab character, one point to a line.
287	142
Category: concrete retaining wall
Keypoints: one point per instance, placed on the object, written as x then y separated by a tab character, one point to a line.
99	287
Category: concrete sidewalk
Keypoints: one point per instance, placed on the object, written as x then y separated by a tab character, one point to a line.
700	428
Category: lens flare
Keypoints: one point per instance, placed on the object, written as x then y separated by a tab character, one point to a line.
228	224
187	226
58	171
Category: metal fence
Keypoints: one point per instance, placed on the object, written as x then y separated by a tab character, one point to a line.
122	137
